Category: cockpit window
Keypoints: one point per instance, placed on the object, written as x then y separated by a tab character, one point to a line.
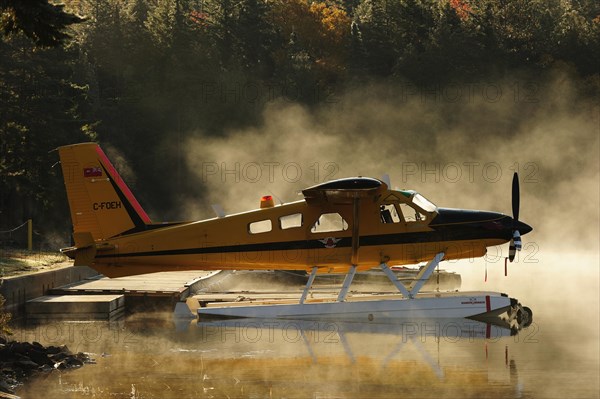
411	214
388	214
423	203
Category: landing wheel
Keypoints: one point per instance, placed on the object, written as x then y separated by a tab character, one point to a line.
530	316
524	316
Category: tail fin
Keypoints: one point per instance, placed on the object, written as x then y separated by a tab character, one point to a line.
101	203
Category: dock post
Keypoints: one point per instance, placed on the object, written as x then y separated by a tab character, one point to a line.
29	235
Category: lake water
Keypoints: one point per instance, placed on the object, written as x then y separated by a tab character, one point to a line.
151	356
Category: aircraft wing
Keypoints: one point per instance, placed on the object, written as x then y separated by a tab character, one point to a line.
344	191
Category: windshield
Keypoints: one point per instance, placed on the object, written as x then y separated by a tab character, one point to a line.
423	203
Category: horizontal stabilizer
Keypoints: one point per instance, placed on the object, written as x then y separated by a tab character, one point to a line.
83	239
85	256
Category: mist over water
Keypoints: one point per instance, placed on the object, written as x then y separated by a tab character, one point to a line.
148	357
459	146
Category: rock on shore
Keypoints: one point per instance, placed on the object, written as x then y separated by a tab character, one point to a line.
21	360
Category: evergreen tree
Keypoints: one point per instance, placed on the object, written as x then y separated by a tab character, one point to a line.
255	37
43	107
41	21
357	55
222	17
378	31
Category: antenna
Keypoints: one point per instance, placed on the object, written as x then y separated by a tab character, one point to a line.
218	210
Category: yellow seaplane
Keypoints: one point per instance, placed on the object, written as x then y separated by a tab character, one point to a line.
340	226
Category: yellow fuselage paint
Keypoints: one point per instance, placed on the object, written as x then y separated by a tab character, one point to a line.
227	243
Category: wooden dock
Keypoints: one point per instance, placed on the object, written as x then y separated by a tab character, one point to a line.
103	298
162	284
76	307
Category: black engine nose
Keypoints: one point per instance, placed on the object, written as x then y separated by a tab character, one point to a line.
523	228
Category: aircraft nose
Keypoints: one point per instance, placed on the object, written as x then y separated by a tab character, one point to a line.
523	228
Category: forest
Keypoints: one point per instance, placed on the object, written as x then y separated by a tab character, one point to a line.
142	75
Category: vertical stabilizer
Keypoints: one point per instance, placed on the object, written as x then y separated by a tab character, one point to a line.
101	203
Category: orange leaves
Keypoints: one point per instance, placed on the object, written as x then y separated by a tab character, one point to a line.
462	8
333	22
319	29
313	22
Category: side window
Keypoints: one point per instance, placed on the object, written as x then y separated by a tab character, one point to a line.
411	214
329	222
290	221
388	214
261	226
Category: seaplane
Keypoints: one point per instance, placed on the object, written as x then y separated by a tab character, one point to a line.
340	226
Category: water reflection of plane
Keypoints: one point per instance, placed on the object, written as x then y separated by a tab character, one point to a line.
434	328
407	331
417	343
247	358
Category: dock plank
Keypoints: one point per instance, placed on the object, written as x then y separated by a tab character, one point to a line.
76	307
160	283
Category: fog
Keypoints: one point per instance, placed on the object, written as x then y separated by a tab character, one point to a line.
457	145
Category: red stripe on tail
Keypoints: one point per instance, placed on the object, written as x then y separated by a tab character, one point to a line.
117	179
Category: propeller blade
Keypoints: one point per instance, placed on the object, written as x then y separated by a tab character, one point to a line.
514	246
515	197
517	240
511	250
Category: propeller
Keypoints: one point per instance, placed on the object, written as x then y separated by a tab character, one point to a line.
516	202
515	242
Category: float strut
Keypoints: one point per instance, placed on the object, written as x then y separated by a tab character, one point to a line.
424	274
309	284
390	274
346	286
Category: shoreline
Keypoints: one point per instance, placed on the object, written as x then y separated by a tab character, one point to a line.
21	361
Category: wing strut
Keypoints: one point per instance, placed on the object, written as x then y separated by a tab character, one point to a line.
355	245
355	233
